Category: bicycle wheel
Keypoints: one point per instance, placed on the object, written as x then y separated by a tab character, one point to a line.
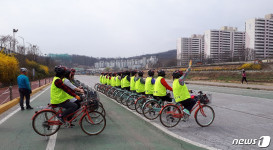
96	86
124	97
139	104
101	110
93	123
45	123
118	96
131	101
170	116
204	116
151	109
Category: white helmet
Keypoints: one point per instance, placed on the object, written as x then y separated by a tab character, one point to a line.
23	69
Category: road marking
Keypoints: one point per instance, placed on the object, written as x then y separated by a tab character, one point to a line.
164	129
15	111
52	141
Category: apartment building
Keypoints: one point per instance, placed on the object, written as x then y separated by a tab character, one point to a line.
223	45
190	49
259	37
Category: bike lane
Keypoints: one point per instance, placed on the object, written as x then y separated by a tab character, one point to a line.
124	130
16	128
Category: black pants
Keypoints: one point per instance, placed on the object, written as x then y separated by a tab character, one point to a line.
127	88
70	107
164	98
24	93
244	79
188	103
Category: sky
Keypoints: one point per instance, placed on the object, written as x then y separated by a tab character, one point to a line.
120	28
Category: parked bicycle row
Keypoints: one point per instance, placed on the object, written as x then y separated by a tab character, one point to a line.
149	96
88	109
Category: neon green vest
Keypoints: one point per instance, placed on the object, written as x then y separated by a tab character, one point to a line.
57	95
68	96
140	87
180	92
132	83
113	82
122	85
126	83
159	89
149	87
104	80
100	78
118	82
108	80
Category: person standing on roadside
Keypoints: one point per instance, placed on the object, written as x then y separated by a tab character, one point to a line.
24	88
244	77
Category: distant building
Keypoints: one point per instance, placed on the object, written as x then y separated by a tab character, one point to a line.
190	49
224	44
259	37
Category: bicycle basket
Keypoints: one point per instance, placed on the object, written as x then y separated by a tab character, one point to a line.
92	105
206	98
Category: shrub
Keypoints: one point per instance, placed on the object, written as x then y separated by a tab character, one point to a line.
9	68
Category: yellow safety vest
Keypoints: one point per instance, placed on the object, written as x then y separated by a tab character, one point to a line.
140	87
126	83
149	87
57	95
118	82
159	89
180	92
113	82
132	84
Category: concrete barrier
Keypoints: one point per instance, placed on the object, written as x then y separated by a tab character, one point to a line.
15	101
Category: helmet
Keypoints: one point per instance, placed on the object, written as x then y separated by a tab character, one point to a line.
60	70
133	72
127	73
67	73
72	71
23	69
114	74
119	73
151	72
161	72
140	73
177	74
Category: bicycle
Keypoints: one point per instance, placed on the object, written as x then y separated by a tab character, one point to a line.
204	114
91	122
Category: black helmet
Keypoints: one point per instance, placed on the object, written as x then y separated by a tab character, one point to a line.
60	70
67	73
177	74
140	73
127	73
161	73
133	72
151	72
119	73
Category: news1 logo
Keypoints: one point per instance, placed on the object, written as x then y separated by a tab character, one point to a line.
262	142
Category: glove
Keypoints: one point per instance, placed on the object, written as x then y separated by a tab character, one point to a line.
78	98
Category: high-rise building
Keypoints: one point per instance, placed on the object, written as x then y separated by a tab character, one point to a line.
225	44
259	37
190	49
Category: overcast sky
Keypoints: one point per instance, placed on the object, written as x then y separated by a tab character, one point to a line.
121	28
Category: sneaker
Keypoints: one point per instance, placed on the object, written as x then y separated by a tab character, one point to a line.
22	108
186	111
185	117
29	107
60	119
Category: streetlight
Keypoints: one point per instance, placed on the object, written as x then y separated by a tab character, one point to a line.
23	42
14	31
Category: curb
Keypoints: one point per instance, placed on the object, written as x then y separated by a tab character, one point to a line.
16	100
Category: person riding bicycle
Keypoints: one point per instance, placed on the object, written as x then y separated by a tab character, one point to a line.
181	92
109	78
133	81
161	86
67	81
118	80
104	79
140	83
101	75
58	94
149	83
126	80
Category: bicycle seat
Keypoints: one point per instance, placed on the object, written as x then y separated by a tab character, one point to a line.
53	105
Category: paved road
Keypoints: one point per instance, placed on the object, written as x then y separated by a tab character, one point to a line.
123	131
240	114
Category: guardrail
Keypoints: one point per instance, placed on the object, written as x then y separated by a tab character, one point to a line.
11	92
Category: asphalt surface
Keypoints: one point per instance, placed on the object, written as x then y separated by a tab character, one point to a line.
124	130
241	113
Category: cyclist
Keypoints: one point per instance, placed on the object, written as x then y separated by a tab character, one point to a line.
126	80
118	80
149	83
140	83
181	92
133	81
105	79
101	77
58	94
113	82
161	86
73	71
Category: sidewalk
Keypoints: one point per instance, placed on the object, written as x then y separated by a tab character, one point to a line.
254	86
